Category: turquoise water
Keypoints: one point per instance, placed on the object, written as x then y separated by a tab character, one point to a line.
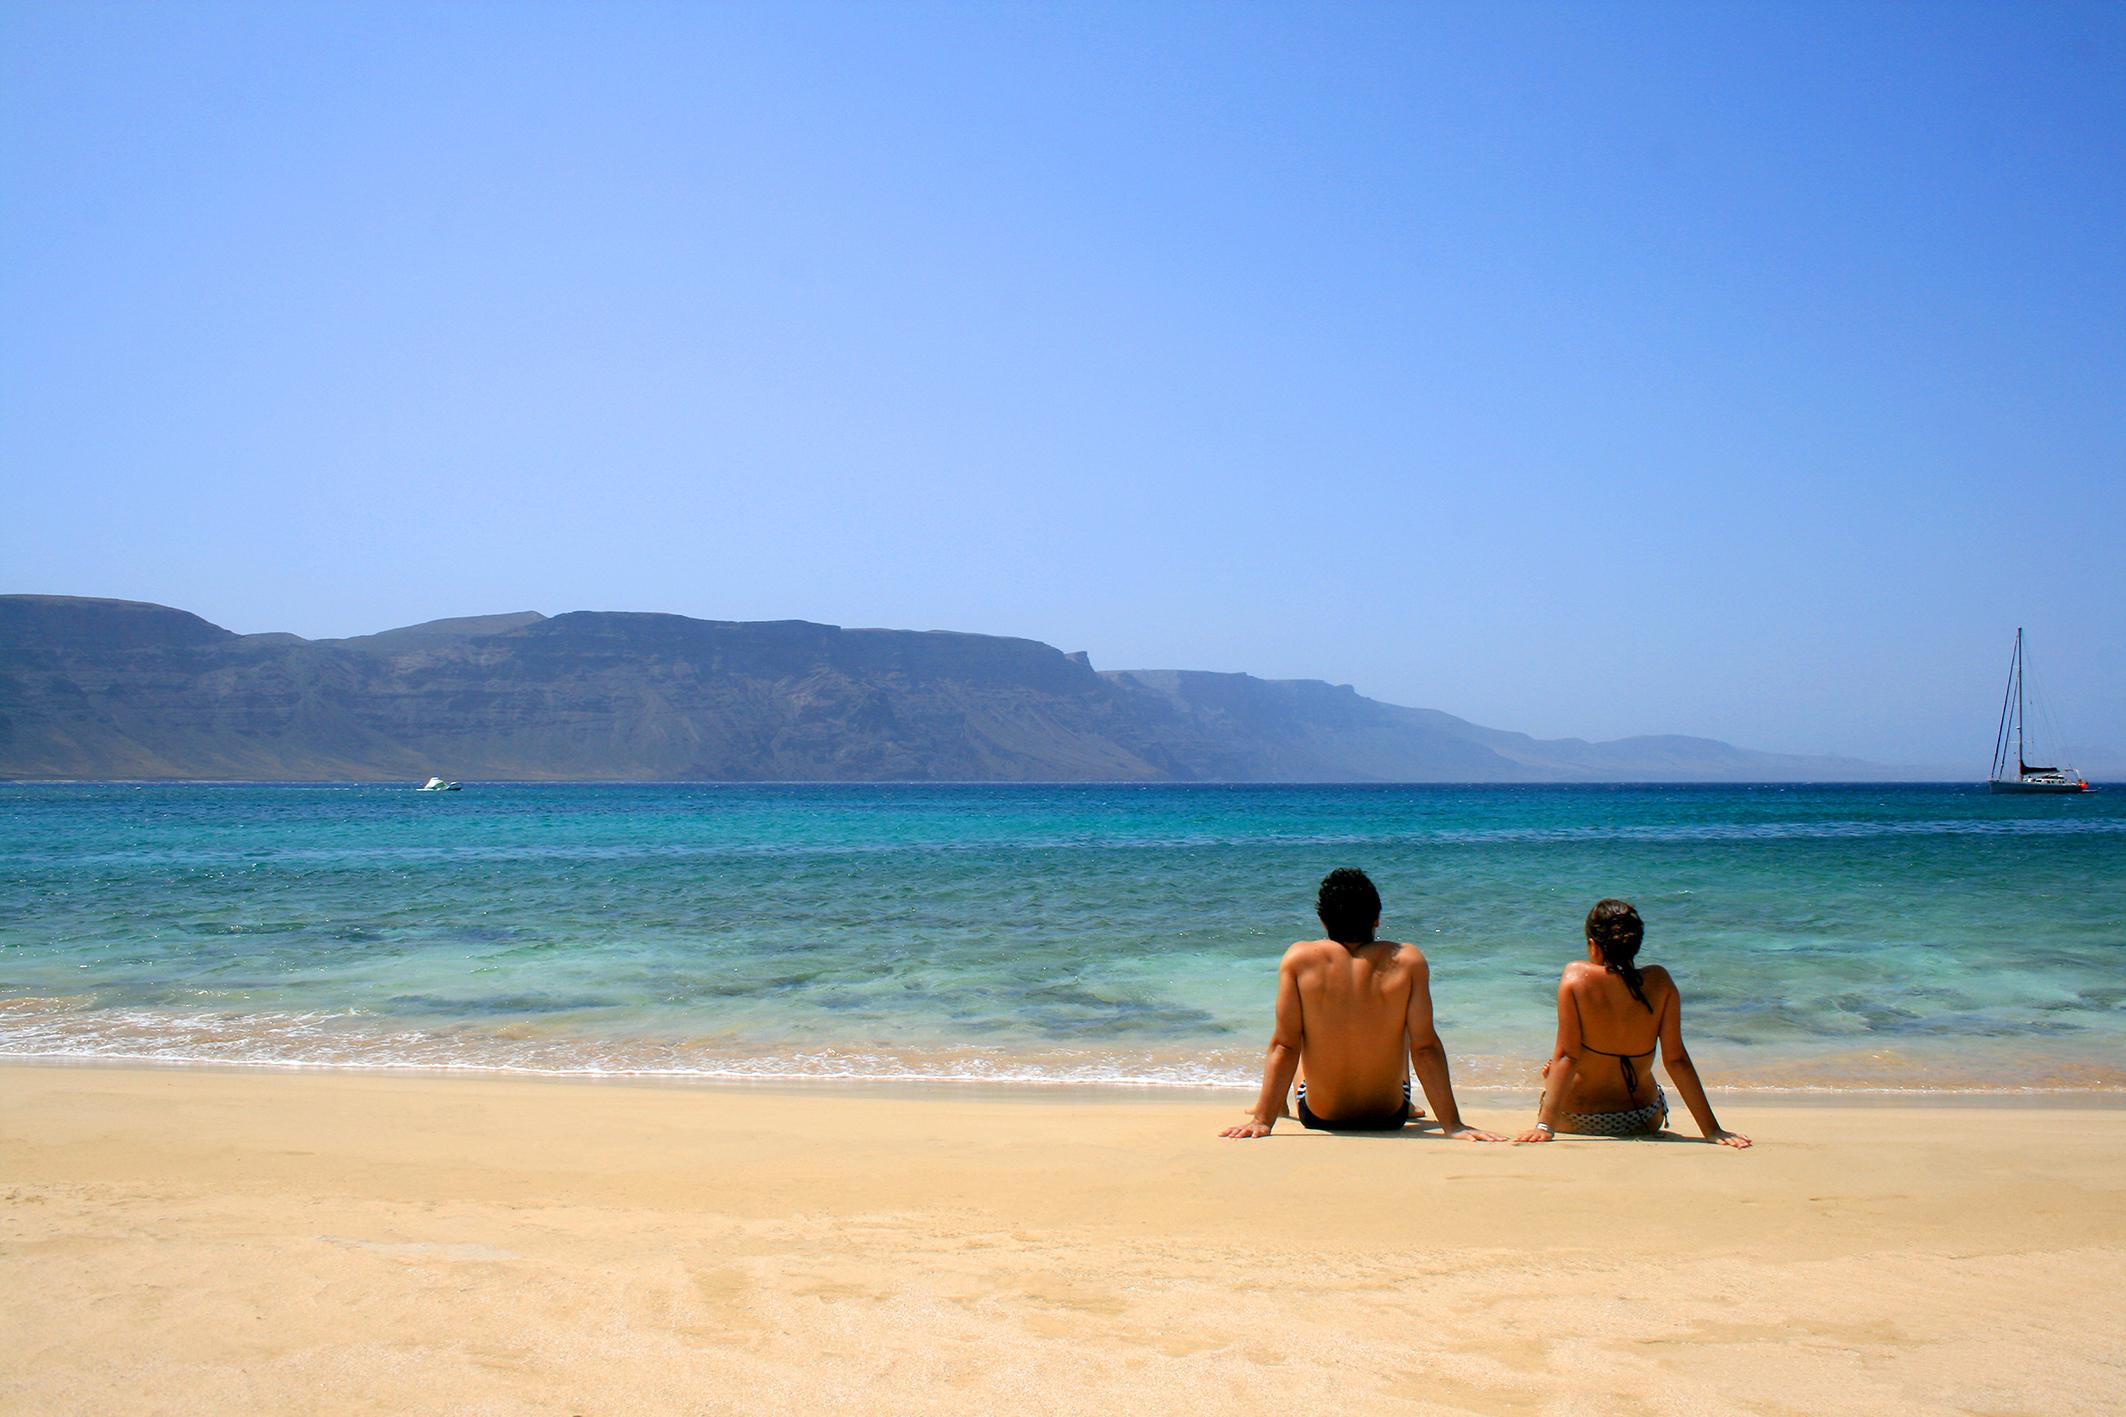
1844	937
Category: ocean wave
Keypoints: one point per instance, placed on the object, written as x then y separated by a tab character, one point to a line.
57	1030
200	861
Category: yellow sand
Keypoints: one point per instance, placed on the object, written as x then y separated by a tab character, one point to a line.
185	1241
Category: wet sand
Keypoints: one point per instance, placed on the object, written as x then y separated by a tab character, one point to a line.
192	1241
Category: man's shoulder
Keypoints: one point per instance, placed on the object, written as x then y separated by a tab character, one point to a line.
1407	956
1308	951
1315	951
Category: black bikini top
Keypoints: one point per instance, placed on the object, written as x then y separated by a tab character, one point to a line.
1624	1061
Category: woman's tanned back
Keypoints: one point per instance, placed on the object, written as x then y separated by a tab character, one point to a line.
1612	1021
1611	1016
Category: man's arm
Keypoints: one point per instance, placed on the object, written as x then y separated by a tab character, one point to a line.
1282	1064
1428	1057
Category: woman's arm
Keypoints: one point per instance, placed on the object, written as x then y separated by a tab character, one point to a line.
1564	1066
1283	1060
1684	1073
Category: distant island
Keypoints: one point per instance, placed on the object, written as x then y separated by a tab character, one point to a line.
112	689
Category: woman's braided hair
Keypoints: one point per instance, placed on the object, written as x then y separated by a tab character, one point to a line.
1616	930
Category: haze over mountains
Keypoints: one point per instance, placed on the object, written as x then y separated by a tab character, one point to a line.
96	689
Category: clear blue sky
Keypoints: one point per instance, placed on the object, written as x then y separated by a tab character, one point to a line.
1739	370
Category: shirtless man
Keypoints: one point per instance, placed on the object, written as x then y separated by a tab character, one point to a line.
1348	1007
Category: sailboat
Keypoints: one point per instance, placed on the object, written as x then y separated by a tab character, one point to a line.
2017	774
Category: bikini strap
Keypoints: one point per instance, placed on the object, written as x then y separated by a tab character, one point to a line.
1629	1068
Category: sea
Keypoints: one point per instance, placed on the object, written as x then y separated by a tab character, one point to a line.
1865	939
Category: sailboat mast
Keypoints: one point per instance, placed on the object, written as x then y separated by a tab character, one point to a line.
2019	759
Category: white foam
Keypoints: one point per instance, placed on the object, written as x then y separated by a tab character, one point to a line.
66	1030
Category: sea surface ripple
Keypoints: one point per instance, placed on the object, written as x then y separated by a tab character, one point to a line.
1838	938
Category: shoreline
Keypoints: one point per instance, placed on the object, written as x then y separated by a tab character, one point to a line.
1492	1095
179	1239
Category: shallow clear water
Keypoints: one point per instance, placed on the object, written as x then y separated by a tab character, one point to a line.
1843	937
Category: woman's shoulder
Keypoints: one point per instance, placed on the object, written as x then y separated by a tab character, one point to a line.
1584	974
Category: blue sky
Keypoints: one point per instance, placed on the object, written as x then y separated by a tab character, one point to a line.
1747	371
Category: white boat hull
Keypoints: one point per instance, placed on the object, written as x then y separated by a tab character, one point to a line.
2037	785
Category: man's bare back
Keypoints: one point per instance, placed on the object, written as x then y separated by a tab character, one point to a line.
1349	1006
1355	1001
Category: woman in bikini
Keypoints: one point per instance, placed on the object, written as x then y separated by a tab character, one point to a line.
1611	1017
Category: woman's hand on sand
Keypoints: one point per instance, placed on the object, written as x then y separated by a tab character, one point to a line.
1721	1136
1535	1134
1249	1130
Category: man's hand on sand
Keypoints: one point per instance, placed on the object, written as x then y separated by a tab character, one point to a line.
1249	1130
1469	1134
1724	1137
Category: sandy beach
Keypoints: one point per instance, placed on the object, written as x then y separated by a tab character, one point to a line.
190	1241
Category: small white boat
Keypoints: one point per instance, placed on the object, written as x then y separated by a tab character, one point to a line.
2017	774
436	784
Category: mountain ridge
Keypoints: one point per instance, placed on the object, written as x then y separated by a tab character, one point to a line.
105	689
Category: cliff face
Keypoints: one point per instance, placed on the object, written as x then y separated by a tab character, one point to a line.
662	696
117	689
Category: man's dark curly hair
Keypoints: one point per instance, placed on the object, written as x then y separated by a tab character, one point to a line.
1348	905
